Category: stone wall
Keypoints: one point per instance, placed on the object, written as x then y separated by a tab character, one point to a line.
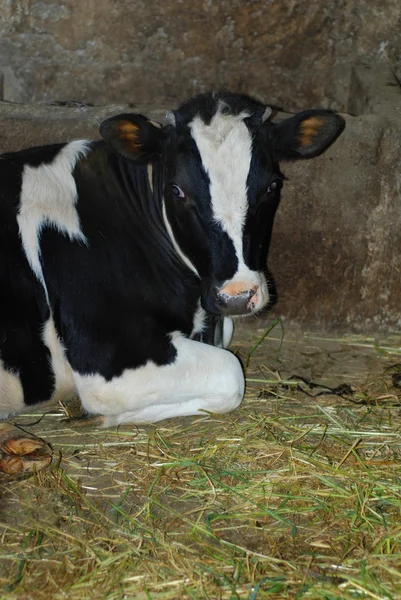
336	248
292	53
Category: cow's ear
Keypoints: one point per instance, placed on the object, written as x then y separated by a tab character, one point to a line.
134	136
307	134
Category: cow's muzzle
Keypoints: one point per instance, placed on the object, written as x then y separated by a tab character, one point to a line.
236	297
232	300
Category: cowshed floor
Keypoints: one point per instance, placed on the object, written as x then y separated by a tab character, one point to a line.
295	494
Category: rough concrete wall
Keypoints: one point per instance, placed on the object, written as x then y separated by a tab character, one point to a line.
336	248
295	54
27	125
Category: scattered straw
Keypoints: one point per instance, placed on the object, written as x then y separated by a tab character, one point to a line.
287	497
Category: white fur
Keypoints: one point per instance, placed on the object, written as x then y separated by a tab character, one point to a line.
48	197
199	321
64	381
225	147
202	378
11	393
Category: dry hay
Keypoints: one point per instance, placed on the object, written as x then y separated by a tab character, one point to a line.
291	496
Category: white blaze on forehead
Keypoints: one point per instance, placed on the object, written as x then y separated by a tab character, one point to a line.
225	147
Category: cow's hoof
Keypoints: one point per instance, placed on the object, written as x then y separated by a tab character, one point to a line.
21	452
77	417
85	421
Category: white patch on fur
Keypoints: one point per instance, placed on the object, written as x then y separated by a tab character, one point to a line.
202	378
225	147
180	253
64	381
11	393
199	321
48	197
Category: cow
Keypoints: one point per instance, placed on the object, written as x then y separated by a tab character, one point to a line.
124	259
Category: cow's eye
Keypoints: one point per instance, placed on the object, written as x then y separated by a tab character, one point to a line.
177	191
275	186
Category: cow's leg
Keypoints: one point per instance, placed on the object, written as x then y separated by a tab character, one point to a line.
202	378
21	452
216	330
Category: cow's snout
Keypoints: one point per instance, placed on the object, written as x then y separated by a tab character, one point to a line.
236	299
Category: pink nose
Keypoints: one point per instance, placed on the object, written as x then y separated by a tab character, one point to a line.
238	287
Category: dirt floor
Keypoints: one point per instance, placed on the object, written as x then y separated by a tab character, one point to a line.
297	494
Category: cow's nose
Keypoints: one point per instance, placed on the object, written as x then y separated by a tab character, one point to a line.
236	300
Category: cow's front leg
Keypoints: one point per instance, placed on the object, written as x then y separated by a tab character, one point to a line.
202	378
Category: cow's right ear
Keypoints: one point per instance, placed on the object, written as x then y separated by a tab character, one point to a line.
134	136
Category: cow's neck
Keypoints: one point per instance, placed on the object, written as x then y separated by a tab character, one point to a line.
141	186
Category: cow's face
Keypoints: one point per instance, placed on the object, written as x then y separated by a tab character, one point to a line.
220	201
222	187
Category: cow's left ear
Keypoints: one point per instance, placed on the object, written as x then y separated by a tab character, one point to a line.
134	136
307	134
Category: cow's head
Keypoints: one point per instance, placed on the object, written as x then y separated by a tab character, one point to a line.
220	157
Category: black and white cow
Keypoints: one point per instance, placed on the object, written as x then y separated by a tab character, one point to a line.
115	254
